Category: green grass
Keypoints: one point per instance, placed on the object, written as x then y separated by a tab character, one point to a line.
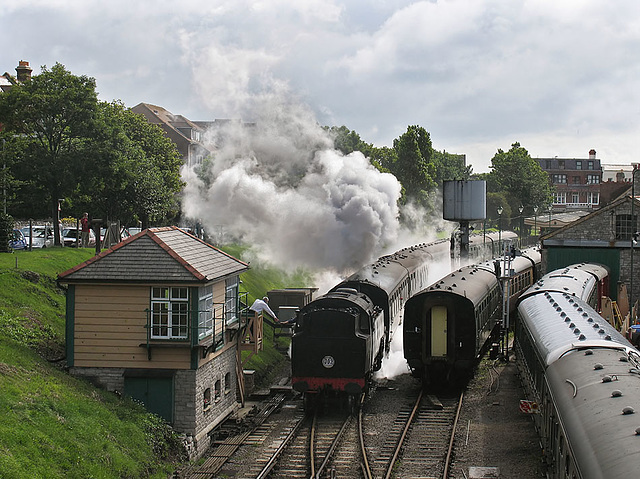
54	425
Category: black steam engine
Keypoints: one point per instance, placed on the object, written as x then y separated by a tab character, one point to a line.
341	338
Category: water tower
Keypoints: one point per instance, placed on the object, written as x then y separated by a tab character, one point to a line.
464	201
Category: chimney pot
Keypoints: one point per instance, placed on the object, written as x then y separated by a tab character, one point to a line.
24	71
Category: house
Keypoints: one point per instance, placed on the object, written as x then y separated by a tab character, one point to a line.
23	73
603	236
157	318
187	135
575	181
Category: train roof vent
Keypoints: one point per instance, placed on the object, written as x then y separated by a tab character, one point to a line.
584	315
601	331
571	300
598	366
607	379
567	319
580	309
572	325
450	288
596	325
555	304
558	308
463	279
582	337
576	331
628	410
623	359
607	337
616	393
588	352
638	431
590	320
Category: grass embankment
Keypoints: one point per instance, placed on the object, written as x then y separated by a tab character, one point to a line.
53	425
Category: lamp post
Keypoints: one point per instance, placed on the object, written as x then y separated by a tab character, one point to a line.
500	229
521	209
535	220
4	178
634	236
549	224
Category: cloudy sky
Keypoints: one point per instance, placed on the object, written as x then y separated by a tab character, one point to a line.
560	77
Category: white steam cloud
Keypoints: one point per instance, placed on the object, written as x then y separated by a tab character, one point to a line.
280	186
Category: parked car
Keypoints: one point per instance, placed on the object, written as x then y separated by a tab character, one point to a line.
17	240
71	235
42	236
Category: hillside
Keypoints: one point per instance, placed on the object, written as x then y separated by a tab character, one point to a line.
55	425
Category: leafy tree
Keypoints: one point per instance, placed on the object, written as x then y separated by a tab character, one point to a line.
100	157
54	111
520	177
347	141
413	166
450	166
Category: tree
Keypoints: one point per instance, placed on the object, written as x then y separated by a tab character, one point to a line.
54	111
450	166
100	157
520	177
413	166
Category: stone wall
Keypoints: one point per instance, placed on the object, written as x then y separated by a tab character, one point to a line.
111	379
197	418
192	417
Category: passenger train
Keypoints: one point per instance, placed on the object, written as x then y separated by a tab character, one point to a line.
581	376
341	338
449	325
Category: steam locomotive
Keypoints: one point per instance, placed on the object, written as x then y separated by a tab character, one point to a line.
449	325
581	376
341	338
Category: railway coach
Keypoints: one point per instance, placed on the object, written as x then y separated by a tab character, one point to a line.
448	325
360	313
582	377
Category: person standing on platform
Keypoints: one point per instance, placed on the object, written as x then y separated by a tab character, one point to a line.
84	229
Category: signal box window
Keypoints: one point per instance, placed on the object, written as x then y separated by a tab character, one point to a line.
169	313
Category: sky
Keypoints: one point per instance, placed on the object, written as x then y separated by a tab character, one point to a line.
559	77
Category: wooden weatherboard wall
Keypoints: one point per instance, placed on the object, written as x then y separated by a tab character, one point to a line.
110	330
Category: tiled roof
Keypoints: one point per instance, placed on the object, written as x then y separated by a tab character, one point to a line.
157	255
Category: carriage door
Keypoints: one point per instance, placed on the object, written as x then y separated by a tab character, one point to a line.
439	331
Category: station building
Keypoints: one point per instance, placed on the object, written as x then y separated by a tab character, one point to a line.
157	318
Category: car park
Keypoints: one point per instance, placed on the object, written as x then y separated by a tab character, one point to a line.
70	236
17	241
42	236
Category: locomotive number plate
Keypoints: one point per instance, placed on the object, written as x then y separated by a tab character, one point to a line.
328	362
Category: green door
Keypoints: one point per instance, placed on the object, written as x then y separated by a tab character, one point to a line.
560	257
155	393
439	331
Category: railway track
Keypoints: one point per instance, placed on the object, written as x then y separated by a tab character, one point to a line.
392	436
419	440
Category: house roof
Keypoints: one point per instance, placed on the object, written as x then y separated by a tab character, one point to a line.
157	255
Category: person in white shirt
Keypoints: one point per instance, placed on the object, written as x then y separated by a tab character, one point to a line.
260	305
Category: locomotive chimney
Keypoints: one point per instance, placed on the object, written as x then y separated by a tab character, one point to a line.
24	71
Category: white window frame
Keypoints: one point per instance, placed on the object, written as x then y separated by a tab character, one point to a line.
232	286
169	312
205	311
